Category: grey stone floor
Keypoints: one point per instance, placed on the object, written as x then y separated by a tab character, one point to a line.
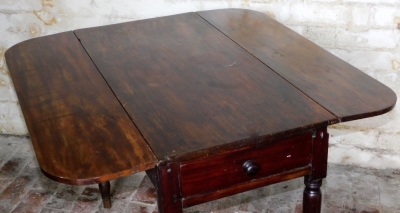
24	189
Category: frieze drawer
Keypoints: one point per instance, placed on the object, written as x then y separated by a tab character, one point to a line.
245	165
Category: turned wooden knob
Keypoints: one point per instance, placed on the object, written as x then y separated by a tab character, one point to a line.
250	167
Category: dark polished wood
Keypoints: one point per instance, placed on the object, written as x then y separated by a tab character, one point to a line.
289	175
80	132
226	169
211	104
319	157
336	85
312	197
185	84
169	198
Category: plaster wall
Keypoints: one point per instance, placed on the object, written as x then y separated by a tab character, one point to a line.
365	33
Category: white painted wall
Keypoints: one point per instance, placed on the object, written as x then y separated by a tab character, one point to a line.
365	33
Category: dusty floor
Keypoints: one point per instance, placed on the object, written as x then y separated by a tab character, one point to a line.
24	189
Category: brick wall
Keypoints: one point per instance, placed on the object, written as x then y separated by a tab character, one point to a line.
365	33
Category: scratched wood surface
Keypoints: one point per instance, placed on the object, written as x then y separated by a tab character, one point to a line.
190	89
80	132
180	85
339	87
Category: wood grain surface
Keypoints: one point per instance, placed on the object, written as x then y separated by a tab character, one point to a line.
339	87
190	85
80	132
226	170
190	89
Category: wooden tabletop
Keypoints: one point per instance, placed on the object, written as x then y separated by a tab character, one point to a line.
80	132
109	101
342	89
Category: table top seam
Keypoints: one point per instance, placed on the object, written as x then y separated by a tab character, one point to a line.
334	121
119	101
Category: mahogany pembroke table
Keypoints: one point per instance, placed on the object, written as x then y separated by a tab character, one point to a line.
209	104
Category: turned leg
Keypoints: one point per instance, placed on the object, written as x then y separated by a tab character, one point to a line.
105	194
312	196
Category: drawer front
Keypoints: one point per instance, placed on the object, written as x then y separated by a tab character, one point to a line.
228	169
